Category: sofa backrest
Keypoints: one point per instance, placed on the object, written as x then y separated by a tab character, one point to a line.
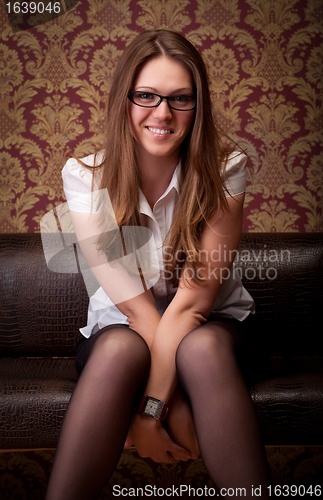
41	311
287	289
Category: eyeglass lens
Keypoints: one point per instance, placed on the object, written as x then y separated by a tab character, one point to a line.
148	99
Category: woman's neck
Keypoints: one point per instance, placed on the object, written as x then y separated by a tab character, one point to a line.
156	174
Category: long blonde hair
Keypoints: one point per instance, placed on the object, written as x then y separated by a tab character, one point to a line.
202	151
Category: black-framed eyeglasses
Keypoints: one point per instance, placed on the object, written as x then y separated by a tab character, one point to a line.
152	100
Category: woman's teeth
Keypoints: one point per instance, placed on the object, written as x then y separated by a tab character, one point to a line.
159	130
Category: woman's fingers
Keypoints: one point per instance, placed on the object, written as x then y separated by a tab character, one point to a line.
179	452
153	441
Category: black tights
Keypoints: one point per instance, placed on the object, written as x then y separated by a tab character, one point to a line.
117	367
210	362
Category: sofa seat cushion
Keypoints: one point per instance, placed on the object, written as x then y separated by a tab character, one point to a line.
34	394
289	401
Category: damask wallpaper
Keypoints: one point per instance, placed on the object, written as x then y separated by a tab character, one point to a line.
265	63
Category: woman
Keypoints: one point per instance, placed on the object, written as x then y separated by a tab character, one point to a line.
175	345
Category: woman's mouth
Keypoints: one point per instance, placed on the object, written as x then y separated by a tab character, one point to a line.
160	131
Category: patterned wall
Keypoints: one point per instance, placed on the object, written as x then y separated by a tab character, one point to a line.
265	62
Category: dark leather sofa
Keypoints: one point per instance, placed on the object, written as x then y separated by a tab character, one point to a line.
41	311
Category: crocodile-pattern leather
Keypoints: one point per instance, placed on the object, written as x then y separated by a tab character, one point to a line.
289	307
289	402
34	396
42	310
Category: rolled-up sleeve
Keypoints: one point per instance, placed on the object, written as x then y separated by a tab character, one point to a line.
77	183
234	176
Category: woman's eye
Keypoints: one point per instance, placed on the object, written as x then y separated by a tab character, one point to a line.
180	98
145	96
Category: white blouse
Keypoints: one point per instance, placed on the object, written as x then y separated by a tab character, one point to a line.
233	300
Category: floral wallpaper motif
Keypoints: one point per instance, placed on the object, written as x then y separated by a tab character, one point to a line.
265	59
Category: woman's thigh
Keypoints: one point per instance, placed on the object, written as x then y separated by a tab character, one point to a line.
107	336
219	338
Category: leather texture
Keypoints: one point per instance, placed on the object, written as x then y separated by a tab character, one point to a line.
42	310
34	396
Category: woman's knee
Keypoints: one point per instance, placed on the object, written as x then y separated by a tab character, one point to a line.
123	344
208	339
217	349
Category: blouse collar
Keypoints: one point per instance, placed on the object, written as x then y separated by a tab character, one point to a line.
144	206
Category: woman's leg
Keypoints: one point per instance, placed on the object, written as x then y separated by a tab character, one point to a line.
225	420
98	416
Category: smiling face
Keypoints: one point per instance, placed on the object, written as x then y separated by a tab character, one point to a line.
160	131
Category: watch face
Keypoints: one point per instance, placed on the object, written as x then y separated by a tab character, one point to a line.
151	407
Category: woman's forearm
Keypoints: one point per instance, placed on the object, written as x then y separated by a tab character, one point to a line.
192	303
143	316
162	381
172	328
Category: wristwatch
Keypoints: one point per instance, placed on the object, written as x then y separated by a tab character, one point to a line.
153	407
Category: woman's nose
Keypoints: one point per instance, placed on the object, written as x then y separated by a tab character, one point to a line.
163	111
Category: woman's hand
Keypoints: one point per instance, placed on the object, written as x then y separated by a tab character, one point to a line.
152	440
180	425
